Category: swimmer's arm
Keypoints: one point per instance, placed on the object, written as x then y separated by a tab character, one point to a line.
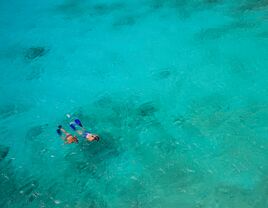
63	131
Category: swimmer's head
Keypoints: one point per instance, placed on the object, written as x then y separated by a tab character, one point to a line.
96	137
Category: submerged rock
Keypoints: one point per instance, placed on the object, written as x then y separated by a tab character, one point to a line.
3	152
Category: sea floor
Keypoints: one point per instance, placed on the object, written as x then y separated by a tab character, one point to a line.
177	91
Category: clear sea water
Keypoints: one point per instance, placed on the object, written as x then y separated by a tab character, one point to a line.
176	89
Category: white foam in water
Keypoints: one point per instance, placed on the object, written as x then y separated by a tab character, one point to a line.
176	90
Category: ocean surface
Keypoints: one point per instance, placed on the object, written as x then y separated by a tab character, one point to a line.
176	89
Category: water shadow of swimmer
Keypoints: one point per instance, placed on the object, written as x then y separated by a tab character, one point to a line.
94	156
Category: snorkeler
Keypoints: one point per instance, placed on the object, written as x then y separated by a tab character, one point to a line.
82	131
68	139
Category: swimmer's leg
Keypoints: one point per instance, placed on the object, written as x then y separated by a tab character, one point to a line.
78	122
62	130
59	132
72	125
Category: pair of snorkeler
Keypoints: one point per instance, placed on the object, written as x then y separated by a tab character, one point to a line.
77	126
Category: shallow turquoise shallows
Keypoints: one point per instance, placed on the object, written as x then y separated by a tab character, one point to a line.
177	90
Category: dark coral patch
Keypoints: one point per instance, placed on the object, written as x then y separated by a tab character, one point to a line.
3	152
103	9
211	1
35	131
164	73
35	52
218	32
146	109
253	5
104	101
263	34
183	8
212	33
125	21
71	7
34	74
9	110
80	8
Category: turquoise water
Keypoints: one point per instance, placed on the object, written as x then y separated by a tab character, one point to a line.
177	91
